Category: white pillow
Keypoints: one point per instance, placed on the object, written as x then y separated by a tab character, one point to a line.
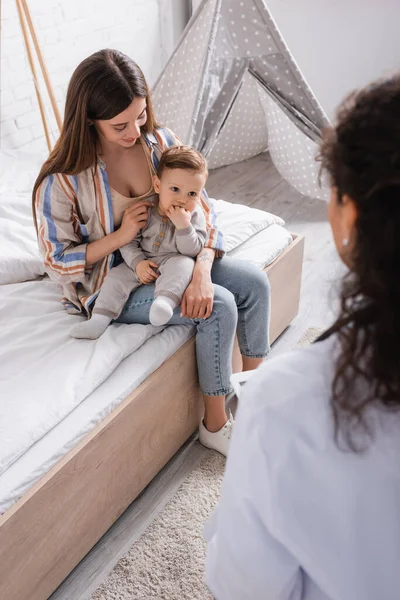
18	170
263	247
238	223
19	254
20	259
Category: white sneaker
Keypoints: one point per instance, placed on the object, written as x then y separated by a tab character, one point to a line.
220	439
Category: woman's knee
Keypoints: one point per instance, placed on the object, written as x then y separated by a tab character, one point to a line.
224	307
254	282
260	280
241	277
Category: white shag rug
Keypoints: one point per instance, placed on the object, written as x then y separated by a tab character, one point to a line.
310	335
167	562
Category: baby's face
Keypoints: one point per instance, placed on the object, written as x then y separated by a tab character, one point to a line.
179	187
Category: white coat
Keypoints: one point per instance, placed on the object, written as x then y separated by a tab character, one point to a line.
298	517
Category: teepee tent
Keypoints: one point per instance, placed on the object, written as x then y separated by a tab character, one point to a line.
232	90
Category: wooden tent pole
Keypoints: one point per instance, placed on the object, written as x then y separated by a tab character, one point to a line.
33	69
42	64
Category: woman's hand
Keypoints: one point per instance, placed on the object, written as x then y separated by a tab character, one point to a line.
198	299
145	272
134	219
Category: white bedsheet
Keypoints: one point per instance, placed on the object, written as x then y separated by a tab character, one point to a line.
130	373
44	372
262	249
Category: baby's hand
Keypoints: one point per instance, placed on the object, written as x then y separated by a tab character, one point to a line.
179	216
145	272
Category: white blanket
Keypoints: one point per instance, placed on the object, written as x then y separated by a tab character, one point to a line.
44	373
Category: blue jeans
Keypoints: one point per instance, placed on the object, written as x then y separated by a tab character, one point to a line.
241	303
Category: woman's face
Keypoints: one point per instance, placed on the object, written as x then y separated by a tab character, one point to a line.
342	218
124	129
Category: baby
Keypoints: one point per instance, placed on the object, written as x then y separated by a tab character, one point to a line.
174	235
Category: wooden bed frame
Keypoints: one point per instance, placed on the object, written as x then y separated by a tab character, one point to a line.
49	530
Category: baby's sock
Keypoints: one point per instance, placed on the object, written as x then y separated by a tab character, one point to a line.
91	329
161	310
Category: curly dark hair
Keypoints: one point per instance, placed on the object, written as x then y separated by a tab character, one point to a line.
362	157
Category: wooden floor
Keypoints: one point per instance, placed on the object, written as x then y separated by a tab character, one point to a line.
256	183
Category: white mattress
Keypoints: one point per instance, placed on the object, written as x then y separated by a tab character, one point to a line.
129	374
262	248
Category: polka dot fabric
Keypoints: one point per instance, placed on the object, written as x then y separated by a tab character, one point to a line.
291	151
232	80
244	132
176	93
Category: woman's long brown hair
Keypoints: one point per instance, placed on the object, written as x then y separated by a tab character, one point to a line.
362	156
101	87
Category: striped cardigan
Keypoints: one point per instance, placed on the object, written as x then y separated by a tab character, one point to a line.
74	210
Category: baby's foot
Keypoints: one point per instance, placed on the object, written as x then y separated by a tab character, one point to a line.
91	329
161	310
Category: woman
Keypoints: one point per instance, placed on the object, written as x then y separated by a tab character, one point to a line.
310	504
92	197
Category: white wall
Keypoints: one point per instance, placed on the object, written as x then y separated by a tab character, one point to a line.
340	45
68	31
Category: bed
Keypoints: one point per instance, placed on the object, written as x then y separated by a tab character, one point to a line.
77	463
